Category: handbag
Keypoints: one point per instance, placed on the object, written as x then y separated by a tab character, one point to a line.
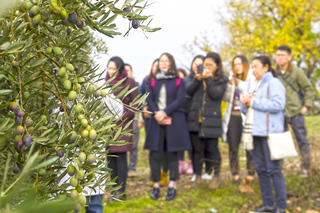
281	145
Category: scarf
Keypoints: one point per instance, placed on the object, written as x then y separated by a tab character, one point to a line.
247	138
165	74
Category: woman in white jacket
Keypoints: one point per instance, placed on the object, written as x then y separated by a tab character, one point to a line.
233	119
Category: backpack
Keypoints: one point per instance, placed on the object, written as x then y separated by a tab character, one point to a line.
153	82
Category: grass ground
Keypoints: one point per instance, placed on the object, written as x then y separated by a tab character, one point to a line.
302	192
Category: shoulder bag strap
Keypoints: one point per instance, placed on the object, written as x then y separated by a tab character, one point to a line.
288	83
153	83
268	116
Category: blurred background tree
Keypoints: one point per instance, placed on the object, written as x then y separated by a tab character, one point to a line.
259	26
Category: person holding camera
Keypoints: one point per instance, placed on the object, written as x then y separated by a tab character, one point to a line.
204	118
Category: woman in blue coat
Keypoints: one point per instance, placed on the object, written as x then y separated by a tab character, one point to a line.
266	98
167	130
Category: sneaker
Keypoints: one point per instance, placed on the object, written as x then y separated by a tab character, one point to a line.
155	193
304	173
171	194
263	209
193	179
206	176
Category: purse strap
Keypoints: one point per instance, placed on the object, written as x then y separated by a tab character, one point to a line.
268	115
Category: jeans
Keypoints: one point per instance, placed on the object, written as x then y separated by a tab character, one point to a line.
270	174
299	128
94	203
119	168
135	141
199	147
157	159
234	139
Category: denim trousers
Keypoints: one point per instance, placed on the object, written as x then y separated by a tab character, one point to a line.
94	203
270	174
299	128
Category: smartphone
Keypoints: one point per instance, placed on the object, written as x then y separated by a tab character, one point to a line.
200	68
234	76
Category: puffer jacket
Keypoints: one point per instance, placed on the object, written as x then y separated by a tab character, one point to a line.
206	101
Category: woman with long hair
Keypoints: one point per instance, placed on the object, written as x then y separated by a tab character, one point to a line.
119	164
233	119
264	107
167	133
204	118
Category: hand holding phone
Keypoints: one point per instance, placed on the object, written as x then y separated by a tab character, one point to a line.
200	69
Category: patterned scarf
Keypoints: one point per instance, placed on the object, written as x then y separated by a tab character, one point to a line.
247	138
165	74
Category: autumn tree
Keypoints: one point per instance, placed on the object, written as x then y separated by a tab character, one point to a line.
260	26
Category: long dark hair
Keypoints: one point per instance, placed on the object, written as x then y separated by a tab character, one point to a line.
245	64
173	67
266	61
218	74
119	63
196	57
151	74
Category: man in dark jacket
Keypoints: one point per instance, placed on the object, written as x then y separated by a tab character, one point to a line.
298	101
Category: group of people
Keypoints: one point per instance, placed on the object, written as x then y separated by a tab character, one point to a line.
186	114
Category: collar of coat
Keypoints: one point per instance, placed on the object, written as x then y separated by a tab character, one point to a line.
289	68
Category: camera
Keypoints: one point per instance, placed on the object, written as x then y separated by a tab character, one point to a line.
200	68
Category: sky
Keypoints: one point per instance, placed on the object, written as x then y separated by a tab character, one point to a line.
181	21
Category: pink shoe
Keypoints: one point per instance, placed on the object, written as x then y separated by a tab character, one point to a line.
190	168
182	167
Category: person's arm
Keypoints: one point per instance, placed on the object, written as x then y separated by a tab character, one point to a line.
228	93
276	101
177	103
306	88
152	105
191	89
216	89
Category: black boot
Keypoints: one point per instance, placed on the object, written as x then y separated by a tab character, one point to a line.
171	194
263	209
155	193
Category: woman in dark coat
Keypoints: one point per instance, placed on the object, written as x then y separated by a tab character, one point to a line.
167	132
119	164
204	118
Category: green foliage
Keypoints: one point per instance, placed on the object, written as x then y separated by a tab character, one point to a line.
261	26
35	43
